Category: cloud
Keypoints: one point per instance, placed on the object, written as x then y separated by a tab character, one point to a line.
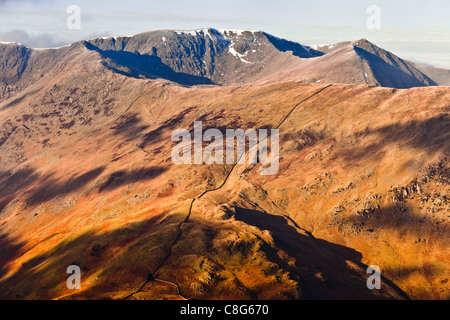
35	41
15	3
44	40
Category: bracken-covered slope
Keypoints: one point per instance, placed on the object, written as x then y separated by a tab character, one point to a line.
87	178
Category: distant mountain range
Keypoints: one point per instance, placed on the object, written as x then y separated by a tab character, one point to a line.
223	57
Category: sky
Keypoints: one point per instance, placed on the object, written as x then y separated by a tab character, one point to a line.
418	30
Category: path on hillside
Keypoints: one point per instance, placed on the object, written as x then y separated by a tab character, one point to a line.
151	275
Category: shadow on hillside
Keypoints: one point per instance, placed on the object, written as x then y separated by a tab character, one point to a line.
49	188
130	126
44	276
399	219
38	189
405	272
430	135
426	270
42	188
390	76
12	184
297	49
9	250
402	222
145	66
18	100
122	178
175	122
322	265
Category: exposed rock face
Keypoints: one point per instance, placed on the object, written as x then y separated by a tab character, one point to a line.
201	56
21	67
14	60
223	57
388	70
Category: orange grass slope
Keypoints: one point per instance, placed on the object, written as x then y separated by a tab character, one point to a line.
87	179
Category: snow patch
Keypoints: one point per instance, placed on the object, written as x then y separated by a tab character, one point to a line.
318	46
237	54
205	32
237	32
188	32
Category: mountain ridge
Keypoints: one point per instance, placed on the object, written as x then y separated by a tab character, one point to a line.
223	57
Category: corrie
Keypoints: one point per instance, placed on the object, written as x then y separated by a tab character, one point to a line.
235	142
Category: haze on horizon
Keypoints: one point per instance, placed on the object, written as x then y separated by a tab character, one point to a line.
417	30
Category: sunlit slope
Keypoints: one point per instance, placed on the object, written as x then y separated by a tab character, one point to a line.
87	179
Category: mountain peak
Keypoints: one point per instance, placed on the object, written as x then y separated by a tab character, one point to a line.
361	41
231	56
